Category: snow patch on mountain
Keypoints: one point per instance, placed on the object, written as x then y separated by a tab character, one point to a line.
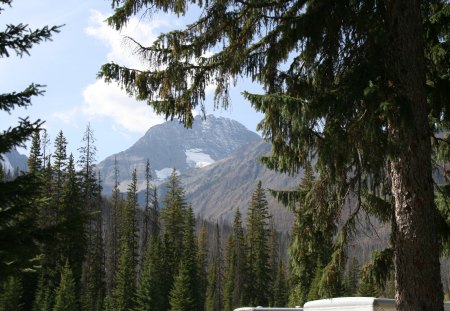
196	158
164	173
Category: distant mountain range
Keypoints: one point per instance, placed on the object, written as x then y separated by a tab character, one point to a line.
170	145
13	160
217	160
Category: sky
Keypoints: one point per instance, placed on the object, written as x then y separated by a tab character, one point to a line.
68	66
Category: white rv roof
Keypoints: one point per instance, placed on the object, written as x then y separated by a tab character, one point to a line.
268	309
355	304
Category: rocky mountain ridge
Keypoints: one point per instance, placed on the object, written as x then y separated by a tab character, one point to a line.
170	145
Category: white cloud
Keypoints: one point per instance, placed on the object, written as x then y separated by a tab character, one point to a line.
121	51
67	117
103	100
108	100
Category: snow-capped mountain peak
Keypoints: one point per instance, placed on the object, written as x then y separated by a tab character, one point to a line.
170	145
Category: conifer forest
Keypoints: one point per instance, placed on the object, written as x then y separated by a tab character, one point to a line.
356	96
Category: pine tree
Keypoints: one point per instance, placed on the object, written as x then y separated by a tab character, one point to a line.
43	298
360	85
258	235
93	274
351	278
35	156
11	294
173	219
129	223
181	298
184	294
236	273
150	289
148	221
214	292
66	298
312	233
367	286
73	238
122	297
113	230
202	264
19	198
280	289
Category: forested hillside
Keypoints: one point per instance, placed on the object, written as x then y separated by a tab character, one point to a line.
113	253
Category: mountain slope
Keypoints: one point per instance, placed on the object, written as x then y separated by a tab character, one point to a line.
12	160
216	191
170	145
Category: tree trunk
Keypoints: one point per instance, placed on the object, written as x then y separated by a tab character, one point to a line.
417	267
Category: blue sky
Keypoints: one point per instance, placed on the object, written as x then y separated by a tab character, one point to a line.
68	65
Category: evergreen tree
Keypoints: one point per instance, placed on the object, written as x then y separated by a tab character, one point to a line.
59	163
150	289
173	219
35	156
214	292
43	299
73	237
148	222
93	278
274	258
11	294
280	289
113	230
181	298
351	278
184	294
360	85
236	272
314	288
66	299
122	297
202	264
312	234
19	198
258	235
367	286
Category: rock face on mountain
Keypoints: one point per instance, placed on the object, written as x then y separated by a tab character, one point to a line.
13	160
216	191
170	145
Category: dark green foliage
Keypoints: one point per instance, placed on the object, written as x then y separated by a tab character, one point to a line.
258	234
20	234
236	271
35	156
150	289
43	299
184	295
19	199
313	231
173	223
73	217
280	288
314	288
181	298
66	297
11	294
124	290
202	264
367	287
351	278
214	292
